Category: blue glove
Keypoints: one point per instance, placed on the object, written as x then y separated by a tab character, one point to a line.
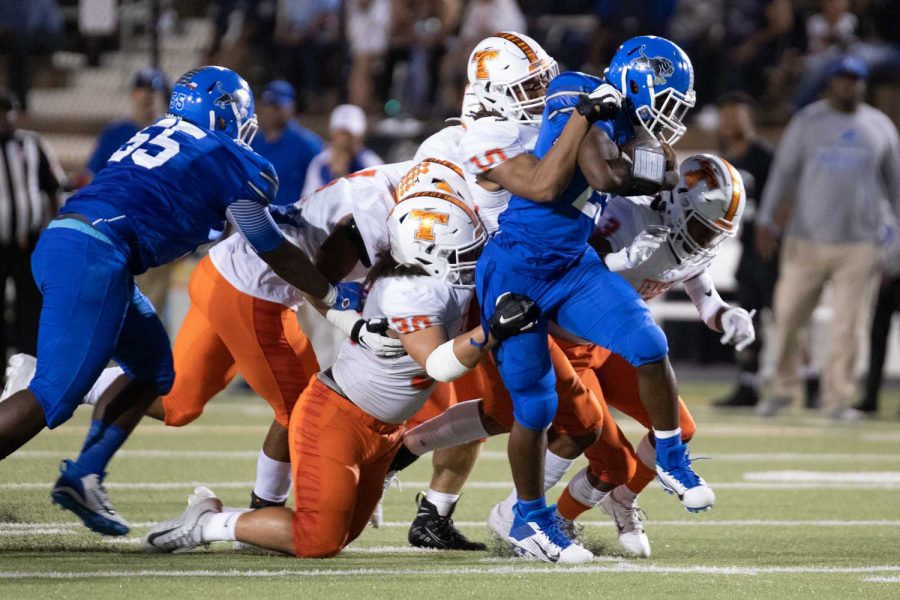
287	214
349	296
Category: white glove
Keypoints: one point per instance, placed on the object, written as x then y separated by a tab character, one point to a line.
737	324
641	248
607	96
371	336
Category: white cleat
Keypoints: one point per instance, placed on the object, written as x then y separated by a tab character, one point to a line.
19	373
500	521
679	478
183	533
629	520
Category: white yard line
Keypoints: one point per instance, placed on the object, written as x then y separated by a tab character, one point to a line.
854	477
882	579
187	486
516	568
71	528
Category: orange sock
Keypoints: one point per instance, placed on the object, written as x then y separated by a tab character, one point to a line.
643	475
569	507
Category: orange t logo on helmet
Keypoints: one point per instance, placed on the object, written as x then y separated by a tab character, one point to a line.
706	173
427	219
479	59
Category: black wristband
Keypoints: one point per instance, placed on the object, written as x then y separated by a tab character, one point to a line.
357	327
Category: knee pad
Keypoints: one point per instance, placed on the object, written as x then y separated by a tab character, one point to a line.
535	406
646	344
58	406
178	414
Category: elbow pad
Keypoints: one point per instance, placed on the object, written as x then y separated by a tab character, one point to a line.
443	365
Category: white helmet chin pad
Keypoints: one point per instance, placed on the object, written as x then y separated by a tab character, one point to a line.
509	73
705	207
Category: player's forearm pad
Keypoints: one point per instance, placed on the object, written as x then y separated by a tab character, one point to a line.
443	365
344	320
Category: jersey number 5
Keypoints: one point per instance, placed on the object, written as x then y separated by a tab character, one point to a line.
170	147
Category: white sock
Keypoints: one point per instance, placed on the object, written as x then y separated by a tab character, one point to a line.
219	527
581	489
555	468
442	502
106	379
624	495
664	434
646	452
273	478
457	425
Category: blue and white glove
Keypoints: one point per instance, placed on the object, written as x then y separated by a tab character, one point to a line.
347	295
287	214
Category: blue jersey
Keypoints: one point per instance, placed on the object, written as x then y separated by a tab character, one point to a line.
162	191
550	235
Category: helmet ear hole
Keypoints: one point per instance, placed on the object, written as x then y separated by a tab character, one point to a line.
220	123
634	86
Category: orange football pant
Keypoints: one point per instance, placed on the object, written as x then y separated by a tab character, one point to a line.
227	331
340	456
612	458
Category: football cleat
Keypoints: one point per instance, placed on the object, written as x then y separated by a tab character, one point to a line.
83	493
572	529
629	520
538	535
183	533
678	478
256	502
19	372
431	530
500	521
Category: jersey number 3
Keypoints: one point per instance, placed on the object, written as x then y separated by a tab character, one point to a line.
169	147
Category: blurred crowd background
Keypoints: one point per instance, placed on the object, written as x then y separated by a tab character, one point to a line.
344	84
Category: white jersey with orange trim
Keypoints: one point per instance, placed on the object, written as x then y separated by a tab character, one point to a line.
621	221
368	195
394	389
487	143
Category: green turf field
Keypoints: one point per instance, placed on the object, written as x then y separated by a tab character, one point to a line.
805	509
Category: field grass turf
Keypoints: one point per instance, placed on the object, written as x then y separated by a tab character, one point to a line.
806	509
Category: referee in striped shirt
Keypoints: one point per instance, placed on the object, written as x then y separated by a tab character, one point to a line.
31	186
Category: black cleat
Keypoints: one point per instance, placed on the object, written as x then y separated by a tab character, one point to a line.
257	502
431	530
743	396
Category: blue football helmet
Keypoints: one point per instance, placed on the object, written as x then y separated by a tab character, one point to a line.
217	99
657	80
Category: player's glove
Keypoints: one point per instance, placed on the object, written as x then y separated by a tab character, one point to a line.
641	248
513	314
346	295
601	104
287	214
737	324
371	336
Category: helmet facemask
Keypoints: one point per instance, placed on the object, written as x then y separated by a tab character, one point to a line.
663	117
526	97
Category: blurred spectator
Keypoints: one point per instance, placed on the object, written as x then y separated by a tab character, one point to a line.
483	18
345	153
31	184
420	30
842	159
307	39
756	276
887	304
149	101
98	20
832	28
368	25
26	29
283	141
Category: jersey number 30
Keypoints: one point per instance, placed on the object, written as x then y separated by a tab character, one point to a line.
169	147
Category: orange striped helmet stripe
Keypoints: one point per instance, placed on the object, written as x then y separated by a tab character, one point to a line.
735	192
455	168
449	198
522	44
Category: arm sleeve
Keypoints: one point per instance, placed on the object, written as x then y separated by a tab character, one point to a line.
255	223
702	292
784	172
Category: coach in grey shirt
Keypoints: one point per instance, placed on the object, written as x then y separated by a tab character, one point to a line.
839	160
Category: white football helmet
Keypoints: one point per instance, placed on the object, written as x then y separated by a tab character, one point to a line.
438	232
509	73
705	207
434	174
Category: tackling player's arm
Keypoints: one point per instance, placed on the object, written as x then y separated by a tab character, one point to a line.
340	252
542	180
735	322
443	359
